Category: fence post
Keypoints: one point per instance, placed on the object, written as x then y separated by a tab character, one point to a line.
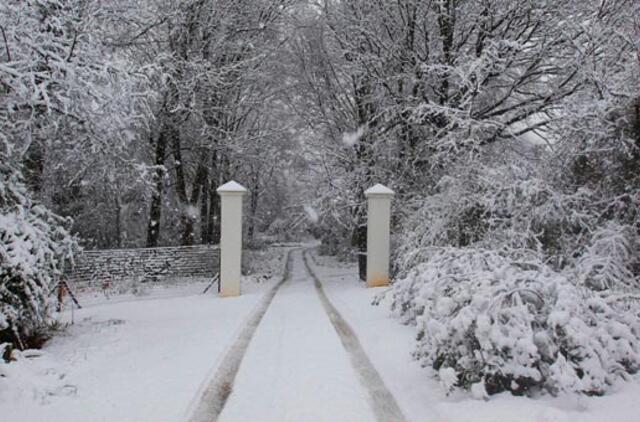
231	194
378	236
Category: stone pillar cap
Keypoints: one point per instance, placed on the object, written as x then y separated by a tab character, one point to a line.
378	190
231	187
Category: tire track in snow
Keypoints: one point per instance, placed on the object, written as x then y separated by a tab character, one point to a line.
215	395
383	403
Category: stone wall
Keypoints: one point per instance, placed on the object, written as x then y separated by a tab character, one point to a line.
112	266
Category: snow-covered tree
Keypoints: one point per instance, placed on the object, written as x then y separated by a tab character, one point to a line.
404	90
34	245
71	110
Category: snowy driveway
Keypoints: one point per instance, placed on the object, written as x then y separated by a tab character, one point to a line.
296	367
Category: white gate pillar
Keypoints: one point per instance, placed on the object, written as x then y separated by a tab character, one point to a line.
231	194
378	236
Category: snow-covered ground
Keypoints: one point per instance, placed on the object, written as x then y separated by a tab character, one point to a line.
389	346
128	358
148	358
295	368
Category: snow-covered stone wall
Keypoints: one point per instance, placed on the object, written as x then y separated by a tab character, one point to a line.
98	267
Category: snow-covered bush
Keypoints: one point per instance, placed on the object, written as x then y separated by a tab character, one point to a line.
511	205
607	261
504	319
577	231
33	246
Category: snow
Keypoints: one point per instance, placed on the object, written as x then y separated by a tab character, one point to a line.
448	378
312	214
231	186
191	211
352	138
129	360
479	392
147	359
296	368
389	346
378	189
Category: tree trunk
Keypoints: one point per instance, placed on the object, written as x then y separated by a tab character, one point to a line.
213	226
34	168
204	213
361	239
253	205
155	212
181	189
118	221
202	174
365	160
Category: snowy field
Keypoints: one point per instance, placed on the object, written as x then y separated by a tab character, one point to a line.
147	358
